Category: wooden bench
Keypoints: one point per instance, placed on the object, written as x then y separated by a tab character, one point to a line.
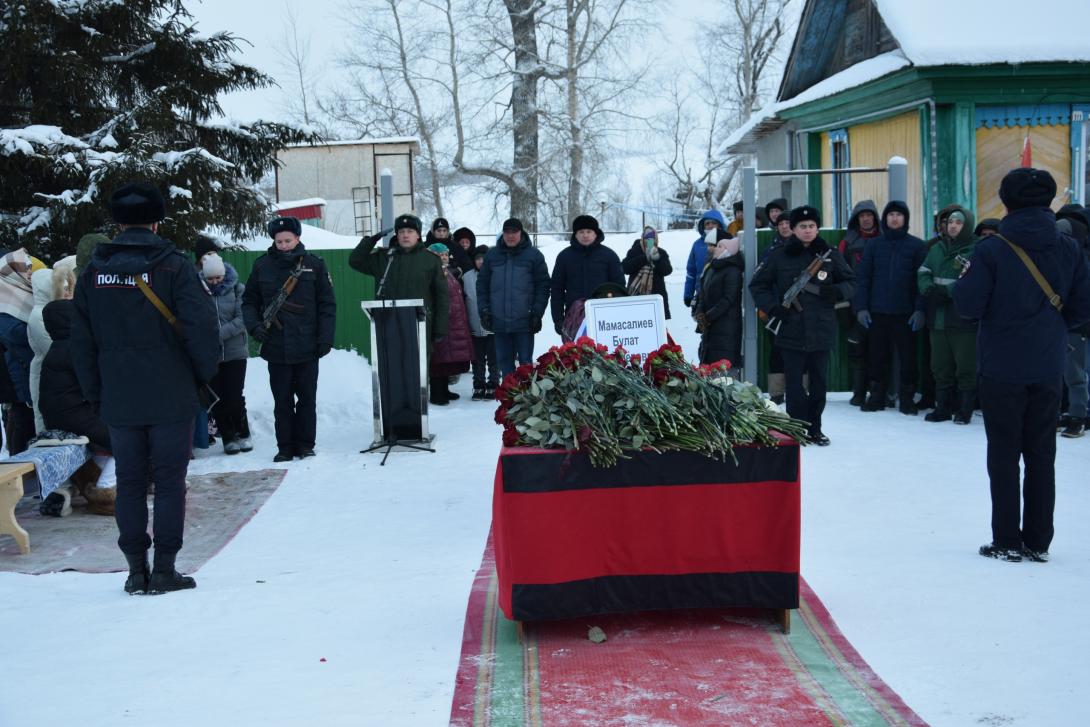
11	491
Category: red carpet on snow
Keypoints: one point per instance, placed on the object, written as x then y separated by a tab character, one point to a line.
706	667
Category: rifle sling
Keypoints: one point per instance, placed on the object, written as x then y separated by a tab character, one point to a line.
1052	296
157	302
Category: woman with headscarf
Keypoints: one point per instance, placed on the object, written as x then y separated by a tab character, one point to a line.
647	266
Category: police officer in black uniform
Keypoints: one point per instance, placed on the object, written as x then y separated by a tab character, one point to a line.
808	335
144	374
300	333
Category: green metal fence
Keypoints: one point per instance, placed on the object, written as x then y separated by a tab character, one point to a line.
353	331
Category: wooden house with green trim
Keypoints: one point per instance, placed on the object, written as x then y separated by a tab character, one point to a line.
956	88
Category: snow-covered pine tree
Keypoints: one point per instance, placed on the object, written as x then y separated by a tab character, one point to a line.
94	93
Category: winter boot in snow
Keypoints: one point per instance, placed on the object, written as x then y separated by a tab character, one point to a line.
906	404
284	454
245	445
1035	556
964	413
165	579
438	395
859	387
1011	555
944	406
137	582
876	401
1074	429
58	503
231	446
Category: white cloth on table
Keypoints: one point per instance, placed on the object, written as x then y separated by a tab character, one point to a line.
53	465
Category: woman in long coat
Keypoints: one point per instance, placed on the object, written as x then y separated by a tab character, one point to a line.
646	253
452	353
720	305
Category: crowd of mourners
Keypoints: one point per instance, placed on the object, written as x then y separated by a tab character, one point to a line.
141	352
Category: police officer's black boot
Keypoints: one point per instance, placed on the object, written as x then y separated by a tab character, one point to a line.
905	401
944	406
876	401
165	579
964	415
139	573
859	387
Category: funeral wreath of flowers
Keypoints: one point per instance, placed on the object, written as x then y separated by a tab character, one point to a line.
581	396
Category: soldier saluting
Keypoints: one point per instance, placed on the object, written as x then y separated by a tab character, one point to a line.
295	330
143	371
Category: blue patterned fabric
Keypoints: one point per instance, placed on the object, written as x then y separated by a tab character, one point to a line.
53	465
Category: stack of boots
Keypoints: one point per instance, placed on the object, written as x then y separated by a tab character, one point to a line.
439	392
907	405
944	406
139	574
859	387
964	414
165	579
876	400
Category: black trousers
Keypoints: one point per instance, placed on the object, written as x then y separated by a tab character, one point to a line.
295	393
888	333
1020	423
230	410
800	404
163	450
484	358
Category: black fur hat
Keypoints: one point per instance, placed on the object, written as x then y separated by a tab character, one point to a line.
738	206
285	224
585	222
805	213
137	203
1027	187
464	232
410	221
480	251
439	222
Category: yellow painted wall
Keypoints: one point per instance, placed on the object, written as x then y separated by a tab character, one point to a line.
826	180
998	150
872	145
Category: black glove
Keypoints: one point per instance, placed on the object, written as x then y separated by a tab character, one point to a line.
827	293
688	302
937	293
486	321
778	311
260	334
379	235
559	326
324	349
535	323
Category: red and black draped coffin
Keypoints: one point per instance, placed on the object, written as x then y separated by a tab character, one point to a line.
656	531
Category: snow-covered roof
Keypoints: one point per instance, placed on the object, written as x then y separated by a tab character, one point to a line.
293	203
362	142
973	32
765	120
315	238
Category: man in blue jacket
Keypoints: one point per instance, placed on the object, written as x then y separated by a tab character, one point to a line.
698	254
512	292
889	305
1021	348
142	374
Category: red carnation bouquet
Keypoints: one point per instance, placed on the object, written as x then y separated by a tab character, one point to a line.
581	396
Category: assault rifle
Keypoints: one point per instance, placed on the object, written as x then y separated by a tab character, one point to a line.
268	316
791	296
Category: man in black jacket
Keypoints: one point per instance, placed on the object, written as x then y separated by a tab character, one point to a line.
581	268
808	335
1021	350
299	334
143	374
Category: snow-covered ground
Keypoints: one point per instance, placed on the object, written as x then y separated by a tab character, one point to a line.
342	601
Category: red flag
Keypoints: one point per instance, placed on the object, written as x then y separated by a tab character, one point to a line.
1027	153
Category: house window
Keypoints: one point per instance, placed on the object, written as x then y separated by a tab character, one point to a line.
842	185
